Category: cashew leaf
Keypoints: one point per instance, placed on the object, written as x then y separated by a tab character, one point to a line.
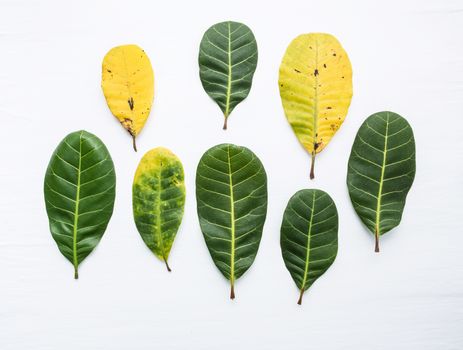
128	85
227	62
79	189
316	89
231	194
381	171
309	236
158	197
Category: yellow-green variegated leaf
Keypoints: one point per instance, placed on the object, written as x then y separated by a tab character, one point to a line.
381	171
227	62
231	193
309	236
128	86
80	188
158	198
316	89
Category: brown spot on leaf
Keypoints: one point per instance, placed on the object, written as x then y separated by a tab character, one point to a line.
315	73
296	70
130	101
127	123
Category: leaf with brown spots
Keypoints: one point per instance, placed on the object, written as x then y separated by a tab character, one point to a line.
316	89
128	86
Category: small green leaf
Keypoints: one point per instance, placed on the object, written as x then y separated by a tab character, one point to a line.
79	190
381	171
231	194
309	236
227	62
158	197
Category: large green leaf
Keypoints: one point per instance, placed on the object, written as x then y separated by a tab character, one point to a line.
79	188
227	62
381	171
309	236
231	193
158	197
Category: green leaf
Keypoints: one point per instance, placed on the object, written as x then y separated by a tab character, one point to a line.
381	171
309	236
231	194
80	185
158	197
227	62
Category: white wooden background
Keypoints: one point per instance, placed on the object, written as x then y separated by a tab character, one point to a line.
407	57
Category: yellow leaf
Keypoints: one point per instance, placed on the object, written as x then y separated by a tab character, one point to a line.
316	89
128	85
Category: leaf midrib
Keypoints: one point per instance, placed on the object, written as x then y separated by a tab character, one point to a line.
127	80
158	216
232	220
76	212
381	180
309	236
227	107
315	101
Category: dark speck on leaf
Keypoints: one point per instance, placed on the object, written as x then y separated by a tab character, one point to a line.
328	107
324	65
297	71
316	72
108	71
